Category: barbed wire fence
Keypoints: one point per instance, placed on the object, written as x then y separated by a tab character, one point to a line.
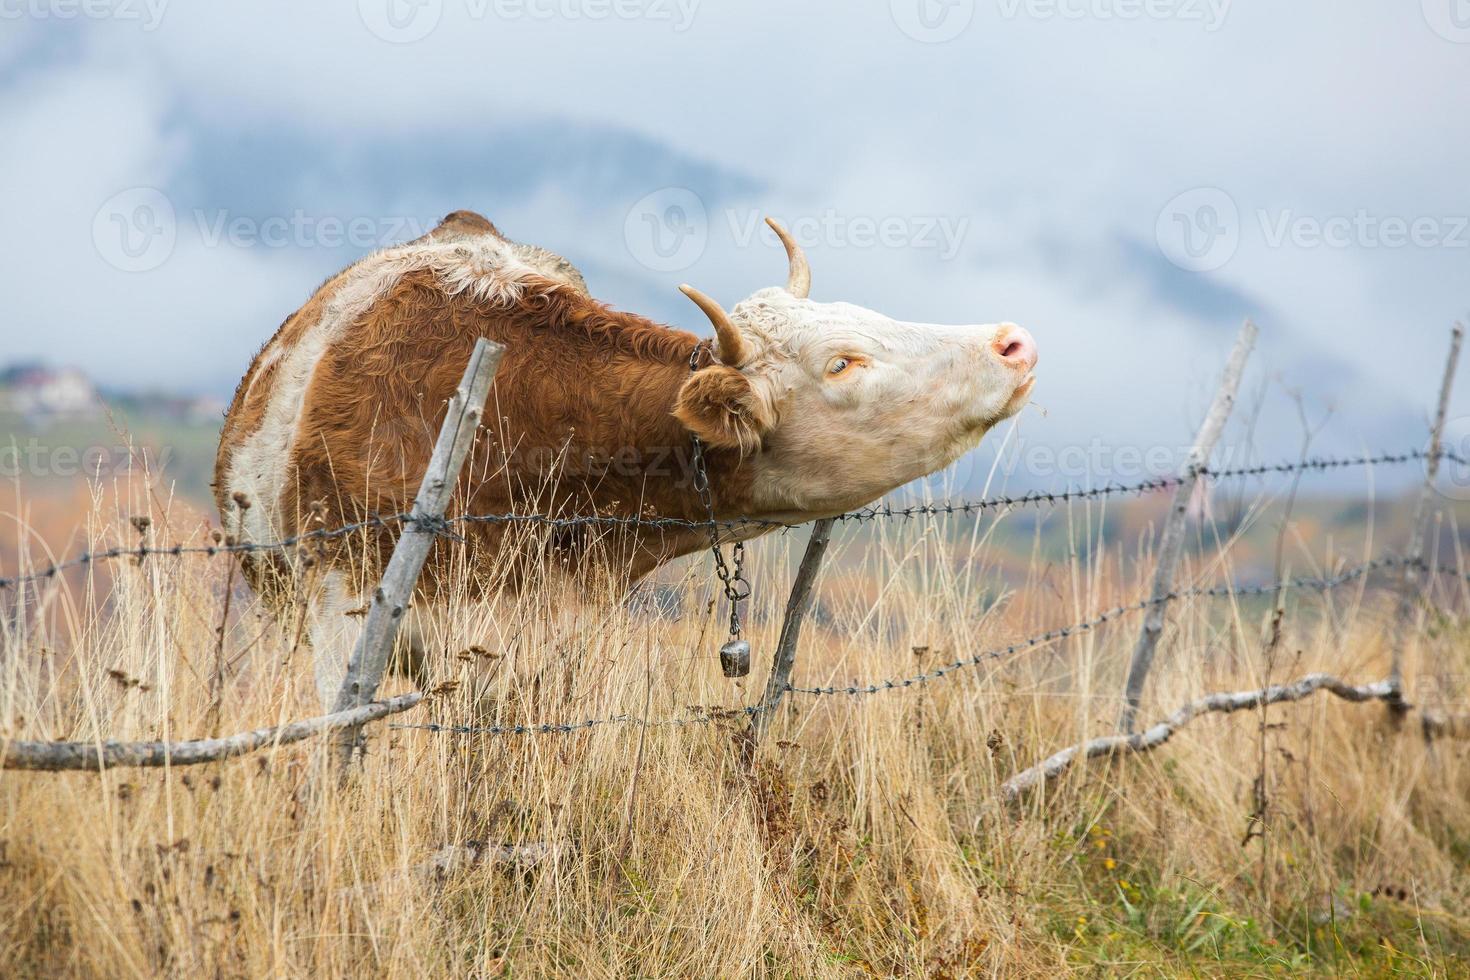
426	521
867	515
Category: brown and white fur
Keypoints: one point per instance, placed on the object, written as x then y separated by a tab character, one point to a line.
807	409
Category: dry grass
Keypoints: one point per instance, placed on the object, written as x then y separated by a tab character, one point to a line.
865	840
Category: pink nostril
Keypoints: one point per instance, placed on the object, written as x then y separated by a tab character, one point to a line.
1015	346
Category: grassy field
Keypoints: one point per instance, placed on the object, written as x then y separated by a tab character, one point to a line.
865	838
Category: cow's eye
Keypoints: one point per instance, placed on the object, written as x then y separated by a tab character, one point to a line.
838	365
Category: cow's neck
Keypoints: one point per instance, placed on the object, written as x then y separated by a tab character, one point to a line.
636	416
729	476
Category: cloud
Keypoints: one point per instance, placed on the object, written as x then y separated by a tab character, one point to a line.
1046	146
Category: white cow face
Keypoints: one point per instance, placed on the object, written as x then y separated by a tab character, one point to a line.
835	405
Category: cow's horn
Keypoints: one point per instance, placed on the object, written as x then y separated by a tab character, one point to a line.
732	345
799	278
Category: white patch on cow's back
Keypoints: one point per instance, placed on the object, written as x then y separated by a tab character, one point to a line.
264	363
551	265
487	268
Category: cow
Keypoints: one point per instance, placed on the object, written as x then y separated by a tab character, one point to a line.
801	410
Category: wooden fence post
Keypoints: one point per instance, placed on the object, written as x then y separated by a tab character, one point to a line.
391	598
1412	576
797	606
1171	540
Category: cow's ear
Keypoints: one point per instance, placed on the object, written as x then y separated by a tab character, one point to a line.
719	405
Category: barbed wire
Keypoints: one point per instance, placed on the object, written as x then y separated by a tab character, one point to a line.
1316	464
710	716
443	526
141	552
1319	584
1316	583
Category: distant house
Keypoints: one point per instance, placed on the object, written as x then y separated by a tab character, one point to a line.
42	393
189	409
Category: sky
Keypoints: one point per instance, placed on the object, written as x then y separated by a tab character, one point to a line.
1129	179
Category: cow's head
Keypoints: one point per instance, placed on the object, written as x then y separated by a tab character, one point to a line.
835	405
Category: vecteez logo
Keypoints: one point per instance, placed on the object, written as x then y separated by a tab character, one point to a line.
1453	480
1450	19
401	21
148	14
1199	230
407	21
667	230
932	21
135	230
1211	14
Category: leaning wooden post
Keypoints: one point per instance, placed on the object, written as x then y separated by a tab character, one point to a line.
1171	541
1412	572
797	606
390	600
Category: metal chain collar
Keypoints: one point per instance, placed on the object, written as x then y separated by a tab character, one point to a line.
732	580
